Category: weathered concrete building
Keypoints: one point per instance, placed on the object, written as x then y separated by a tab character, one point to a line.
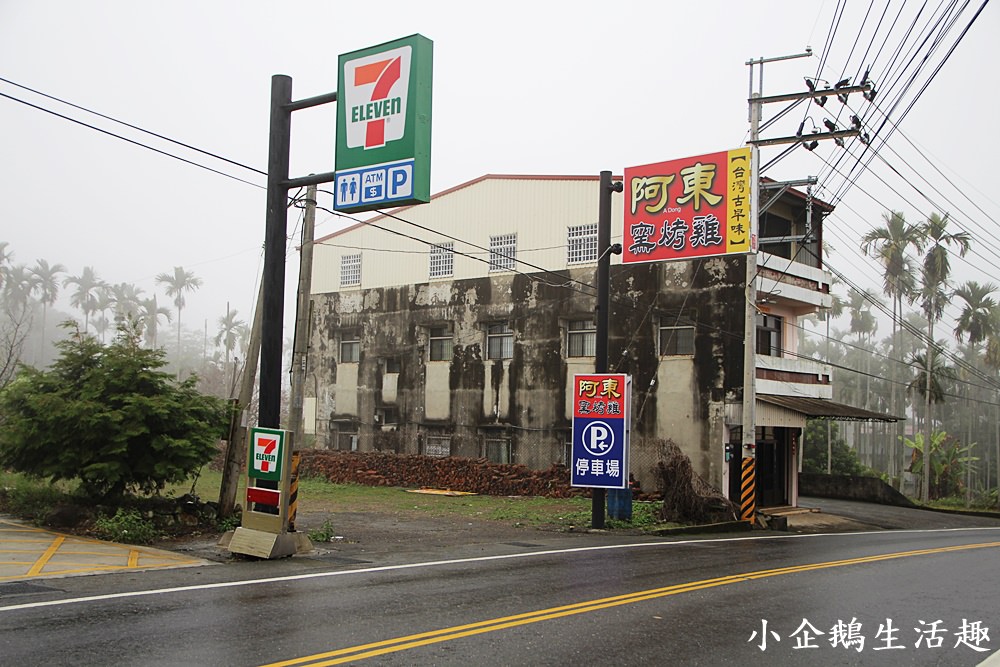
455	328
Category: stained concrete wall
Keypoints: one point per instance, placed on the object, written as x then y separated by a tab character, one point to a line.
528	397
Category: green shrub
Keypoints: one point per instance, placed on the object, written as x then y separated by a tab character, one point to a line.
30	499
110	417
127	526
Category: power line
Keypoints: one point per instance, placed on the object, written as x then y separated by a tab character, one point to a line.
134	127
131	141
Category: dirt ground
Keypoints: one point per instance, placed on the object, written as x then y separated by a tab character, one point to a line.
361	534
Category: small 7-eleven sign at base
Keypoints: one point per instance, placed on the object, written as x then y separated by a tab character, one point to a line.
266	452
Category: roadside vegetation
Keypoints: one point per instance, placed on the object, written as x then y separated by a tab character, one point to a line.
41	501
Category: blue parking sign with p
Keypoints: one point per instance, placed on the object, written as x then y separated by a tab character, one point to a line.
600	431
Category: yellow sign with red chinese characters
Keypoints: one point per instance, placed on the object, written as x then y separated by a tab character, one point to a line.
695	207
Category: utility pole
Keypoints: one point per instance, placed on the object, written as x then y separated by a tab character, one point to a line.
810	141
236	442
300	344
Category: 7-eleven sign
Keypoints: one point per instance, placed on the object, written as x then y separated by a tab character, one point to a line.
384	125
266	452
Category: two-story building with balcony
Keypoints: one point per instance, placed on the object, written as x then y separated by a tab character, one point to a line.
454	328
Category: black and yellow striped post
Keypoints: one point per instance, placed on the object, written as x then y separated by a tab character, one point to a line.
748	489
293	491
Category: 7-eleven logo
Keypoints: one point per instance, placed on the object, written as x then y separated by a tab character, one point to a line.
265	453
375	95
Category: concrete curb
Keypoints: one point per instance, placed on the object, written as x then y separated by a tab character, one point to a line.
723	527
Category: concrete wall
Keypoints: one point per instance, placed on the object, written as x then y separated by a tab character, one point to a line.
847	487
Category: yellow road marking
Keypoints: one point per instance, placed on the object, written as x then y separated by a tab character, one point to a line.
383	647
44	558
95	568
133	556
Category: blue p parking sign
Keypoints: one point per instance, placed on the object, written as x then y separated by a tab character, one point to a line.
601	431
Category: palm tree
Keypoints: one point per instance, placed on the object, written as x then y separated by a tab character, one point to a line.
47	287
85	295
19	284
101	325
864	325
127	301
890	245
835	310
5	258
104	302
977	321
149	315
229	332
177	284
936	271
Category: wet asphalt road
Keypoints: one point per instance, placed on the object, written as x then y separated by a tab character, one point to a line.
549	600
890	517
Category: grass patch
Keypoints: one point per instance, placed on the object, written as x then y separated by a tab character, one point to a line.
35	499
127	527
30	498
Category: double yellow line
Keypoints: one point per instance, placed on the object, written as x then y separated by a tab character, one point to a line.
363	651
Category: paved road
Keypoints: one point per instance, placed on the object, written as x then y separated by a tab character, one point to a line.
584	599
890	517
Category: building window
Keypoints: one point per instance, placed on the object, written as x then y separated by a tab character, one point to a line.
442	260
768	335
581	338
581	244
499	341
440	343
498	450
393	365
676	341
503	251
347	442
387	416
350	347
438	446
350	270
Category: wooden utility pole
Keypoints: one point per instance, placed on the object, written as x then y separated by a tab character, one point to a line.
300	344
236	443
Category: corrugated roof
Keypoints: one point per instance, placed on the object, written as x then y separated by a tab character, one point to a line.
821	408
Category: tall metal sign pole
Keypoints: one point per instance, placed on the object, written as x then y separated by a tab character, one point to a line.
388	90
603	306
276	230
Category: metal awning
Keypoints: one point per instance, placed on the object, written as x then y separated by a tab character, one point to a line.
821	408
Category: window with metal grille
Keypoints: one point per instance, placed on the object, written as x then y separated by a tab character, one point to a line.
498	450
499	341
442	260
768	335
581	244
440	343
503	252
350	270
676	341
437	445
581	338
350	347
